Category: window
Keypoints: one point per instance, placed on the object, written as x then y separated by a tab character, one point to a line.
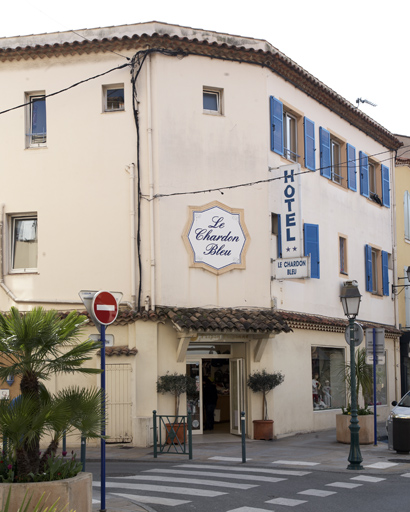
330	158
342	255
372	179
212	101
311	246
36	133
328	386
377	271
23	243
284	130
113	97
290	137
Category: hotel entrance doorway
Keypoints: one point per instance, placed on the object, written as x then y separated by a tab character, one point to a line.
226	375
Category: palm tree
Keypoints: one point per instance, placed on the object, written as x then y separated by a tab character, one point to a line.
364	374
34	346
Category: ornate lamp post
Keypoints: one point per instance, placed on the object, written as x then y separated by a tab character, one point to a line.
350	297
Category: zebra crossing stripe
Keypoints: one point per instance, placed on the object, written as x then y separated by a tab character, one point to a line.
317	492
249	509
161	488
286	472
220	475
151	499
370	479
296	462
286	501
196	481
228	459
344	485
381	465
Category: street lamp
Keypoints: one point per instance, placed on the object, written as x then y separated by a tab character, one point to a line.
350	297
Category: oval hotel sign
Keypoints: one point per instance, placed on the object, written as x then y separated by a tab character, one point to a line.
216	237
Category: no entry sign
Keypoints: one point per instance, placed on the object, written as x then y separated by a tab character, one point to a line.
105	307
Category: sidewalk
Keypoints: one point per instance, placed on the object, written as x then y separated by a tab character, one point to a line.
319	451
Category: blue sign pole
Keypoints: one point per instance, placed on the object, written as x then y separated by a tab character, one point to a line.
103	415
374	387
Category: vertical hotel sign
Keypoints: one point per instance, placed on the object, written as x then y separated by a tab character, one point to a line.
216	237
293	264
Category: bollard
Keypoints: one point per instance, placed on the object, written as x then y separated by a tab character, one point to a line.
83	452
190	435
155	433
243	436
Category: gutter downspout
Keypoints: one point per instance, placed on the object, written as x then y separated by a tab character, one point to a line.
131	171
397	368
151	182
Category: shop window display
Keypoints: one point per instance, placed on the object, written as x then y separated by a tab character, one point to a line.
328	386
381	387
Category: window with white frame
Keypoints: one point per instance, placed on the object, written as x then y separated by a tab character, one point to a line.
328	385
290	137
212	100
113	98
335	159
24	242
36	122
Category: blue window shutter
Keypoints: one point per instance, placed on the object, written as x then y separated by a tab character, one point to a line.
368	265
364	174
386	186
325	161
309	144
311	239
276	125
351	167
279	240
385	272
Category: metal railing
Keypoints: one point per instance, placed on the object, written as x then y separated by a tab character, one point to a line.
172	434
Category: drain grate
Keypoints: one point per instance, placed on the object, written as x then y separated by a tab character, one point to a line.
402	461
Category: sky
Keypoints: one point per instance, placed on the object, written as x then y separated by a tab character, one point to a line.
359	48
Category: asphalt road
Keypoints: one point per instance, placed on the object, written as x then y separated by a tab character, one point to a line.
235	487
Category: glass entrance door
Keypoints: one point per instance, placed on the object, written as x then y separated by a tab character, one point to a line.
194	370
236	372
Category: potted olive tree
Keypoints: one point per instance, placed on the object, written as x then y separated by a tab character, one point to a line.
260	381
364	383
176	384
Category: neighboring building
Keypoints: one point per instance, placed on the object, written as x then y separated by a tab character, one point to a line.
225	191
402	192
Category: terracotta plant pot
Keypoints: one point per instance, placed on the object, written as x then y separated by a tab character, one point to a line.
366	432
75	492
176	433
263	429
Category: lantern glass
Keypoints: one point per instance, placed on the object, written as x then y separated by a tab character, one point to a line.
350	297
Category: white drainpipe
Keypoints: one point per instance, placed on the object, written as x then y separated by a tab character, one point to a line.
151	182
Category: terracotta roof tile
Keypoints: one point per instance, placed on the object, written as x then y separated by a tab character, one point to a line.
120	350
331	324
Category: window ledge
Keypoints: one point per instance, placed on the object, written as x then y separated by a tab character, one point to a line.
23	272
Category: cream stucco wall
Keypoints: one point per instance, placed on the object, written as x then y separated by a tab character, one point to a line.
80	188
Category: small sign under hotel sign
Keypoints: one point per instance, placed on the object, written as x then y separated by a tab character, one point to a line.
292	268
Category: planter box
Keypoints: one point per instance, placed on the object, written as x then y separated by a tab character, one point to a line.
177	433
263	429
75	492
366	432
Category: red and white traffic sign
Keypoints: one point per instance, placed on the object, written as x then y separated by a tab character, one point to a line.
104	307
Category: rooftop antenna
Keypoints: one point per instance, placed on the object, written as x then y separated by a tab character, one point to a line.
360	100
